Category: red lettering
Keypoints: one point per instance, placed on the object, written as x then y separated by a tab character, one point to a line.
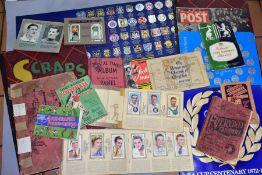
194	17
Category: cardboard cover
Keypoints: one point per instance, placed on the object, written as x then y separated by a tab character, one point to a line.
45	153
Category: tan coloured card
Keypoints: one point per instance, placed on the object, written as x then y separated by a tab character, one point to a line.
240	93
113	103
178	72
151	109
84	31
120	151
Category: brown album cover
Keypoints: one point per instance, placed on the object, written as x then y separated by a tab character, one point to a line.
240	93
224	130
36	154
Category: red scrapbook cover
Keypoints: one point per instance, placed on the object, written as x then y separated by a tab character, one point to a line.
23	66
224	130
36	154
107	72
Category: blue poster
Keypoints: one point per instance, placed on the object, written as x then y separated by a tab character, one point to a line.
191	41
196	104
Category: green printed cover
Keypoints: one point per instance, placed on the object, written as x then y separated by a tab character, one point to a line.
81	93
221	45
57	122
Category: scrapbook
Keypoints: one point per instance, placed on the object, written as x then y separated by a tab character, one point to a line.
120	151
107	72
82	94
178	72
23	66
34	151
224	130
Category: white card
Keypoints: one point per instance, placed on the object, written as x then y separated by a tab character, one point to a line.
24	145
19	109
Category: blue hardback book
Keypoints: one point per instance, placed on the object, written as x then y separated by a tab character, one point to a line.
196	104
191	41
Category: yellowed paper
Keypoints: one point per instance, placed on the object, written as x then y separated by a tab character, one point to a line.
112	151
178	72
152	109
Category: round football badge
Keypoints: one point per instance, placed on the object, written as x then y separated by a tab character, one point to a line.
161	17
112	24
140	7
168	44
132	22
114	37
142	20
159	5
169	3
149	6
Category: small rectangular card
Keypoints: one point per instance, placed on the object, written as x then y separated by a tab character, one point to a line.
57	122
19	109
118	151
178	72
240	93
40	36
84	31
224	130
81	93
24	145
151	109
106	72
137	74
221	45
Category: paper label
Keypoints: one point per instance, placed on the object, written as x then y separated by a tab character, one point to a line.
24	145
19	109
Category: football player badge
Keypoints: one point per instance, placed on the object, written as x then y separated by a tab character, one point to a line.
114	38
112	24
124	35
139	7
119	10
100	12
165	30
142	20
134	35
122	22
138	48
127	50
155	32
129	8
132	22
168	44
171	16
147	47
96	53
159	5
158	45
107	53
152	18
110	11
168	3
149	6
145	33
116	51
161	17
90	13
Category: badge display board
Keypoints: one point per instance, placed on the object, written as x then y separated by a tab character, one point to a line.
191	41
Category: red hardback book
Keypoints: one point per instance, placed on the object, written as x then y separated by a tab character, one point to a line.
224	130
36	154
23	66
107	72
